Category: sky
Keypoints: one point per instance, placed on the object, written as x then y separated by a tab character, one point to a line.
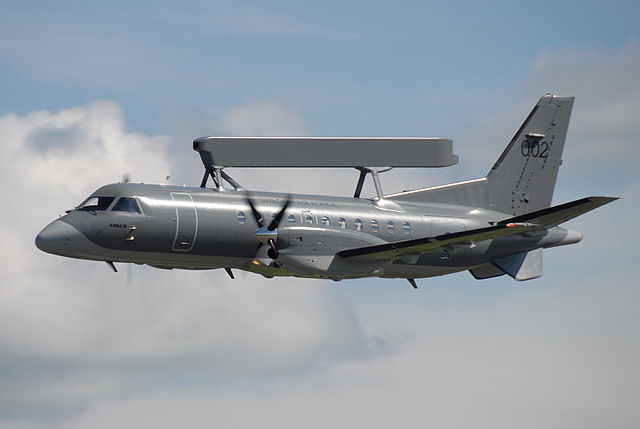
89	94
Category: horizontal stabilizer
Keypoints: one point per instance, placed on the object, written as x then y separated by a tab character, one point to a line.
486	271
522	266
556	215
391	251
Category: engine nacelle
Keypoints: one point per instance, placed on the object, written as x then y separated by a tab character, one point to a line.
312	250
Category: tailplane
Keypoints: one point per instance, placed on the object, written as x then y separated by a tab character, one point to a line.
524	176
521	266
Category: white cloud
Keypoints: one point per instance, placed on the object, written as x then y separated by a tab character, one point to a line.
556	353
87	143
74	327
197	349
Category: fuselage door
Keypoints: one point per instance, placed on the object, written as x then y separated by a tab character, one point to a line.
186	222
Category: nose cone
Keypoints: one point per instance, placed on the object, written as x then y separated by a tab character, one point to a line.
57	238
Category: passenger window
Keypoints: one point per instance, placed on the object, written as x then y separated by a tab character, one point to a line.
241	218
374	225
326	221
342	223
291	218
308	219
126	204
391	227
96	203
406	227
358	224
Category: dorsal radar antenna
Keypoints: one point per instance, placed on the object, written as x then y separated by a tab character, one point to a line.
369	155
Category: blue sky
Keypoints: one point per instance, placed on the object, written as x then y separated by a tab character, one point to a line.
368	62
90	93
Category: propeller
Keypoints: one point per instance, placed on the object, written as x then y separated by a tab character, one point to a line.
267	235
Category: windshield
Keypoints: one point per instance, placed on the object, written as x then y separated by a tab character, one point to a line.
126	204
96	203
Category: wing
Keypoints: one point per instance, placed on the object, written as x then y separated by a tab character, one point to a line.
545	218
395	250
555	215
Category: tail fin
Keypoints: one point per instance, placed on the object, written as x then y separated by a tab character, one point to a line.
523	178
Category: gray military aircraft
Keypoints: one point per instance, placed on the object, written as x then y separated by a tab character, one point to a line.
495	225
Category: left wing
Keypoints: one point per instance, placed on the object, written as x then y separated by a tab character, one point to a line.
545	218
556	215
395	250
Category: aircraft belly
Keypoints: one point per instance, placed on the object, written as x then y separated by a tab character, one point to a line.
417	271
178	260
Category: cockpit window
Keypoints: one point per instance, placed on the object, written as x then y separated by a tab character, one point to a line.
126	204
92	204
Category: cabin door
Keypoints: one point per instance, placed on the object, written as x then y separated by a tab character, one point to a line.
186	221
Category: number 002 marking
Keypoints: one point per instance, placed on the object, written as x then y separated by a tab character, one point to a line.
534	149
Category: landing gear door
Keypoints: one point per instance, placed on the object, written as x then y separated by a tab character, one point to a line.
186	222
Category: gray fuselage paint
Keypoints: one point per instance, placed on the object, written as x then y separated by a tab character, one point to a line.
198	228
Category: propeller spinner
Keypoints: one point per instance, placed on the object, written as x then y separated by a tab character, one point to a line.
268	235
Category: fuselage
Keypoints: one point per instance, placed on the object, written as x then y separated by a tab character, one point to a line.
201	228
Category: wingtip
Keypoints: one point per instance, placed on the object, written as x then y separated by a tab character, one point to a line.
604	200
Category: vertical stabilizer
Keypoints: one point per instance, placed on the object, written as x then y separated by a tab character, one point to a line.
523	178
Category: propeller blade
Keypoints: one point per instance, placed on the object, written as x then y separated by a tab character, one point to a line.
272	252
276	220
256	214
267	235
